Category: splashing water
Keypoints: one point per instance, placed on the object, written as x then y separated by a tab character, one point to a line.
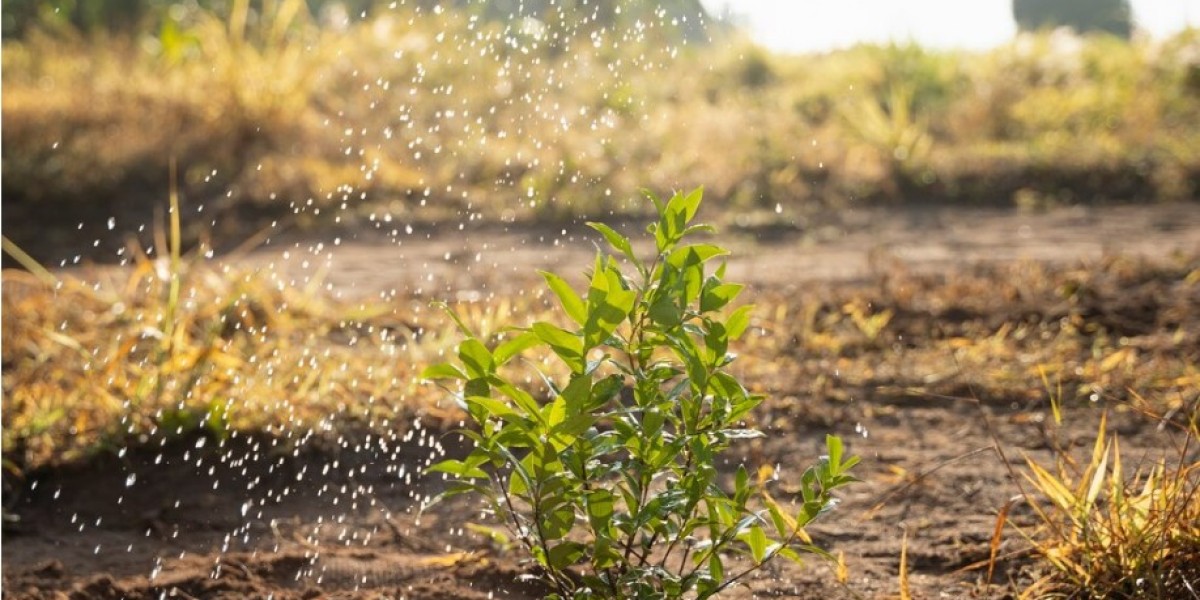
538	99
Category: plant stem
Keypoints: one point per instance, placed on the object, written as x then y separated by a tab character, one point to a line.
644	483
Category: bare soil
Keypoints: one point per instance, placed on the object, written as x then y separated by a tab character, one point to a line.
336	515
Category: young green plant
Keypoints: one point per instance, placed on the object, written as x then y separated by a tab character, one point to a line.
612	485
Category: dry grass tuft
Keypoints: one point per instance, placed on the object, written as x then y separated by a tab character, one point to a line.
1107	533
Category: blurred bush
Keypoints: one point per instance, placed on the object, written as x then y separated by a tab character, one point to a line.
1083	16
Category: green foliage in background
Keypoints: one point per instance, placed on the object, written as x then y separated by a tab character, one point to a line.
573	16
93	16
616	476
278	112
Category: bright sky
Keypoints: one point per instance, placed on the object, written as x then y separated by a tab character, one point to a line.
815	25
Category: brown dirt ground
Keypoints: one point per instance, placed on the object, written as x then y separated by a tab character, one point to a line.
325	517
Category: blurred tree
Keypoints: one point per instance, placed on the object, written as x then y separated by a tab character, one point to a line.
1084	16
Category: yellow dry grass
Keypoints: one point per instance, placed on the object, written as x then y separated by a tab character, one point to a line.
112	357
1106	532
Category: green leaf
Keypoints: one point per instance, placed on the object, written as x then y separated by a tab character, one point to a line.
716	569
685	205
523	400
563	434
808	511
741	480
491	407
604	391
476	358
737	322
716	341
693	281
652	422
666	455
833	445
665	311
659	207
558	522
555	412
466	331
566	554
608	305
660	236
604	555
743	406
821	552
790	554
717	296
850	462
807	482
577	393
617	241
442	371
518	487
599	504
618	295
743	524
694	254
741	487
727	386
691	202
518	468
689	354
557	336
514	346
477	386
457	468
842	480
756	540
568	346
512	435
672	221
784	526
571	302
